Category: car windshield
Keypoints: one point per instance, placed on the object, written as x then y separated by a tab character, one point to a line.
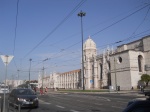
25	92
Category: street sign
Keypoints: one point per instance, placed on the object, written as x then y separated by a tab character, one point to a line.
6	59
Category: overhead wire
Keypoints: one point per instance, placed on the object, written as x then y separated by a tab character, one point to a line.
16	25
57	26
141	22
126	39
108	27
92	27
119	20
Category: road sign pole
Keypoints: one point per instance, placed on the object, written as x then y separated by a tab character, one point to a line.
6	60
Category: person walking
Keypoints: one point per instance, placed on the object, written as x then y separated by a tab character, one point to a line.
35	89
41	91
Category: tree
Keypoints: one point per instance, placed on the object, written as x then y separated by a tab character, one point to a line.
145	78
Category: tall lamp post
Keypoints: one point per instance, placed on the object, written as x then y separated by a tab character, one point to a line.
29	69
18	77
81	14
6	60
43	72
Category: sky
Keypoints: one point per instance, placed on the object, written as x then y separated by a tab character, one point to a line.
49	32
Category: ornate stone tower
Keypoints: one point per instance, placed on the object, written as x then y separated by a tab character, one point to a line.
89	52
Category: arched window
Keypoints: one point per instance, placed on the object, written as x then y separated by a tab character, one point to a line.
101	71
140	63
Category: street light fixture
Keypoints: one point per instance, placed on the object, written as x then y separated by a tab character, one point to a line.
29	69
81	14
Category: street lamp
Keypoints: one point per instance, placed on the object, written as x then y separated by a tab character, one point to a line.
29	69
43	71
81	14
18	77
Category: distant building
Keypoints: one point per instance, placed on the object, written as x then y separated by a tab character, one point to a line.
14	83
121	68
68	80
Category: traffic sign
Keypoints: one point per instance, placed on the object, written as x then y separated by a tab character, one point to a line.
6	59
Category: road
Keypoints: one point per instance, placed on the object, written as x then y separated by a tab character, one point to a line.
79	102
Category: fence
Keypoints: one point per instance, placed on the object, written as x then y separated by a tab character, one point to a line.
14	108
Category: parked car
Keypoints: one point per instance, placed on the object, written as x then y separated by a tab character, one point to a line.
138	106
24	97
147	91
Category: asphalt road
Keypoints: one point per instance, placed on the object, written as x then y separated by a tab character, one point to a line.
79	102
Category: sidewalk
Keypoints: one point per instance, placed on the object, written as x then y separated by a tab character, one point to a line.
96	92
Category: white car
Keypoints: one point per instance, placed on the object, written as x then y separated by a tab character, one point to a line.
4	89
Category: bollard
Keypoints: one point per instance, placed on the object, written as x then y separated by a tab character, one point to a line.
1	105
8	107
19	108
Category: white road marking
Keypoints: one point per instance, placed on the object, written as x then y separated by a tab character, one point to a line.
60	106
105	98
117	107
98	104
80	101
44	102
122	102
74	111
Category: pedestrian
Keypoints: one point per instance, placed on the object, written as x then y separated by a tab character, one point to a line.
35	89
41	91
132	88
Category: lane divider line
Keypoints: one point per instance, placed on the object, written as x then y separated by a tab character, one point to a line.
60	106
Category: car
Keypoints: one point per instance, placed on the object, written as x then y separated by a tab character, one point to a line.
138	106
24	97
147	91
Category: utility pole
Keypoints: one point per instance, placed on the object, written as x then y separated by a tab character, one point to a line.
81	14
29	69
43	71
18	77
42	77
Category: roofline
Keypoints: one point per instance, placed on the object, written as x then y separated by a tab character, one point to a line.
135	41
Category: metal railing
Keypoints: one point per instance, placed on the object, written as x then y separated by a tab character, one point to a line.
15	107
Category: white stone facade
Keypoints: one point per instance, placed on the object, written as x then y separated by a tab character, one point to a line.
122	67
67	80
14	83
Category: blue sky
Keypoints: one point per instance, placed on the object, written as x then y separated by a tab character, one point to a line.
51	29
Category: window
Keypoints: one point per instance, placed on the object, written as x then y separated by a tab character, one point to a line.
119	59
101	71
140	59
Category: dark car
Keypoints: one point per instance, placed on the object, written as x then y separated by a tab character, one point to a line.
138	106
24	97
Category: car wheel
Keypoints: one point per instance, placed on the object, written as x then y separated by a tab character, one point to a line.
37	106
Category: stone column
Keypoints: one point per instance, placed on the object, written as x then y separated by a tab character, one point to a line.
95	74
